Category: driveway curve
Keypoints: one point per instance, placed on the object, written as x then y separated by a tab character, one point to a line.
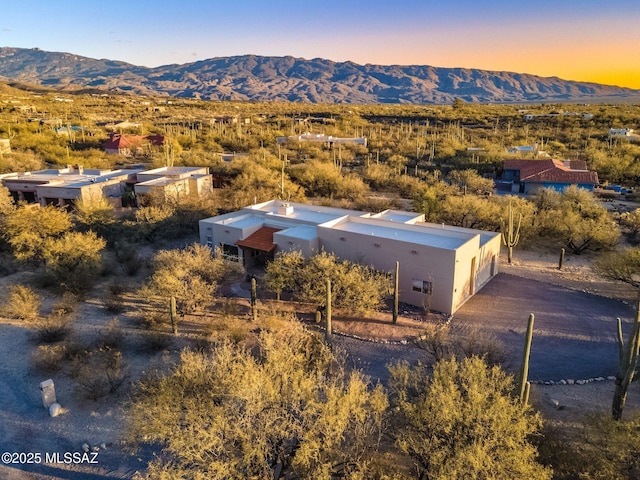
574	333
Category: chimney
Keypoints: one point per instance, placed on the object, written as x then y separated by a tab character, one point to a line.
79	169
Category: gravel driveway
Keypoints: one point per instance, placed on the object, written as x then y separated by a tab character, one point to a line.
574	332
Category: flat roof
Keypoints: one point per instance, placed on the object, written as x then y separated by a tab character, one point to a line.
416	234
171	170
157	182
76	181
241	221
485	236
303	232
398	216
313	214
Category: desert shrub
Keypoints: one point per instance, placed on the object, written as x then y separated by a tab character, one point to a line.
152	319
112	337
52	328
155	341
66	305
74	260
103	372
603	449
117	288
23	303
49	358
443	342
113	302
128	257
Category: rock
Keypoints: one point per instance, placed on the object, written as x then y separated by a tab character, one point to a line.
562	382
599	379
611	377
85	447
55	409
570	381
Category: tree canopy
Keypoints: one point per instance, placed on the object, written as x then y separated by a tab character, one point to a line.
191	275
463	422
290	411
354	286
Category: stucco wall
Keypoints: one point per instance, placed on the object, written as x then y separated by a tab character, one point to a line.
417	262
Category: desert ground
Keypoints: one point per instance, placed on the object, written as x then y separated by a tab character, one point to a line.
370	344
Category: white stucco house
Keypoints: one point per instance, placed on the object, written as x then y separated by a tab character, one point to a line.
439	264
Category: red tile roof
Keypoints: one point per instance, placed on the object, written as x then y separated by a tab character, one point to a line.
261	239
553	171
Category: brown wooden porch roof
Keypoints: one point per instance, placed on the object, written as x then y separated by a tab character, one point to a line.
261	239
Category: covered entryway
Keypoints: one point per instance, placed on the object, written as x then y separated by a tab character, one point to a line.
258	247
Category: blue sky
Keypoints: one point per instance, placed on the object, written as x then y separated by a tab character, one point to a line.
579	40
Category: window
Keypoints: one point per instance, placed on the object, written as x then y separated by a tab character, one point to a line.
422	286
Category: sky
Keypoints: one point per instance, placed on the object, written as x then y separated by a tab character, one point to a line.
583	40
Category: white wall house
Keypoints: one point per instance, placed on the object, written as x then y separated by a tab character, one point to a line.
174	182
322	138
440	265
63	187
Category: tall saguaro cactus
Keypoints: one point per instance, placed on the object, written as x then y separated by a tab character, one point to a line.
327	334
396	293
511	237
254	298
524	372
628	360
173	314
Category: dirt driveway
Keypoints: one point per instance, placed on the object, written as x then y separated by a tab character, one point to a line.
574	332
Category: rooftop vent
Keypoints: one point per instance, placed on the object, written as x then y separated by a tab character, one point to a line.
285	209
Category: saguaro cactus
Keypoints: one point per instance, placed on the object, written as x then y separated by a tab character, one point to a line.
327	334
395	293
561	260
510	237
254	297
524	372
628	360
173	314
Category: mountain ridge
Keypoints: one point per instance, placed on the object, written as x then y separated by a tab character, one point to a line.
288	78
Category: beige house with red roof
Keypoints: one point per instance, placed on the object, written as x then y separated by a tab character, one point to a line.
529	176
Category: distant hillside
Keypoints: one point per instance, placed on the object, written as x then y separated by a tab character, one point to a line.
251	77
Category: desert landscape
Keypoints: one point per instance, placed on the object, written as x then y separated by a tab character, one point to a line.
369	344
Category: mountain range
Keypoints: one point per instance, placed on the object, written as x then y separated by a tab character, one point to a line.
260	78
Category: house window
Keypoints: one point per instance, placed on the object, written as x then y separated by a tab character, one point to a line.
209	241
422	286
230	252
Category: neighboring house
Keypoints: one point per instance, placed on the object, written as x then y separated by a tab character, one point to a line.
440	266
5	145
620	132
170	183
528	176
128	145
64	186
321	138
523	150
68	130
